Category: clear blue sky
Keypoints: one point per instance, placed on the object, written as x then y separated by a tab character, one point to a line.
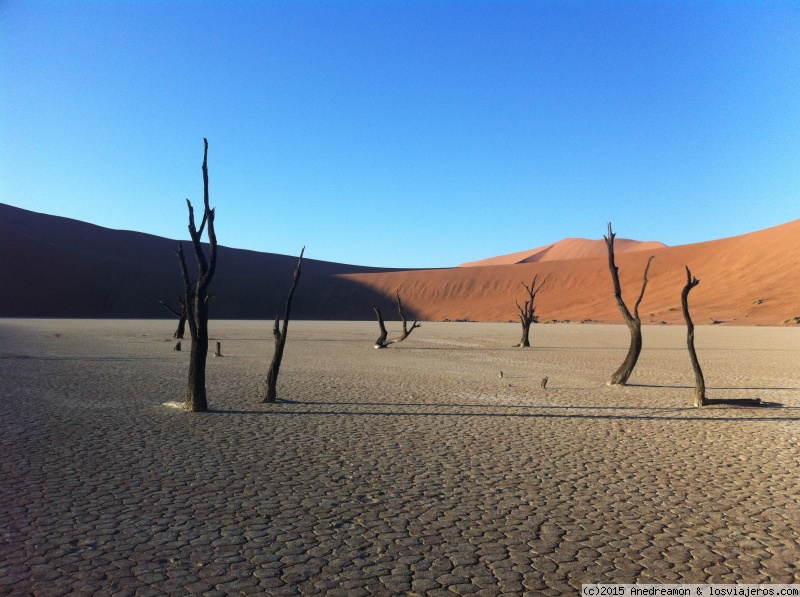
405	134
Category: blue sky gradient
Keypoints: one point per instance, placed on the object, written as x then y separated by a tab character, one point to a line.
405	134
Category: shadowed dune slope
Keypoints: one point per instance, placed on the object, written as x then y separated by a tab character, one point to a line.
57	267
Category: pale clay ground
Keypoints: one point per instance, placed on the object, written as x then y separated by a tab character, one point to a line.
410	470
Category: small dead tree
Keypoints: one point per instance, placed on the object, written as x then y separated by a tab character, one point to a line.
270	391
527	311
699	380
182	315
382	341
634	323
196	296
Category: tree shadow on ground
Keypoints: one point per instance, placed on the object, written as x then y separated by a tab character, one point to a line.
646	413
643	385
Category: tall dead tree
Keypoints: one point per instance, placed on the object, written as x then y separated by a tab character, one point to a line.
382	341
634	323
196	295
270	391
182	315
699	380
527	311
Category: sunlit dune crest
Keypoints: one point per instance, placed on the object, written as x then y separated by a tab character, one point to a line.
568	248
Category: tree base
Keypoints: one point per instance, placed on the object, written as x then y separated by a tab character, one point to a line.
269	393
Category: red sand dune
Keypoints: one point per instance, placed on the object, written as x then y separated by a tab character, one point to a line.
746	280
57	267
569	248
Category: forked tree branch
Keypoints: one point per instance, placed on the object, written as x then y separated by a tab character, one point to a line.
634	323
406	331
382	342
171	310
187	290
527	312
612	266
644	285
202	264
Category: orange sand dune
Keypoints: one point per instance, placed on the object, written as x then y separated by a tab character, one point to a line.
57	267
569	248
746	280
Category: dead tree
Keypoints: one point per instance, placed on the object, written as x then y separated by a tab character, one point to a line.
196	296
527	311
634	323
181	317
270	391
699	381
382	342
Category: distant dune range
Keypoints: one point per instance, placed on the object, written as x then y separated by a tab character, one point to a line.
57	267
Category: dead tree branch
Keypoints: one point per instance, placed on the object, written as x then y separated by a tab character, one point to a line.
182	315
382	342
270	392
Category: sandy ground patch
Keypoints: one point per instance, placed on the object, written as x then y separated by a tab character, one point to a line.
411	470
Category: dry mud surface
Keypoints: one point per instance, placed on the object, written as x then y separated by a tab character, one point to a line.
411	470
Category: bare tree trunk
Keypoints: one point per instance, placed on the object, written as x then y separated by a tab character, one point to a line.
382	342
699	380
179	333
527	311
634	323
525	341
181	317
621	376
196	296
196	399
270	393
